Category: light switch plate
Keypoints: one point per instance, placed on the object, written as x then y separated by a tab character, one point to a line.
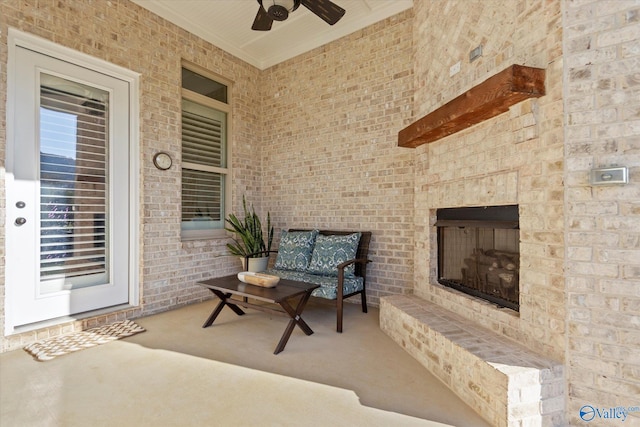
609	176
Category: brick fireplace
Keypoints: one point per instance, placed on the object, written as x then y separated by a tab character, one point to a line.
505	363
486	342
473	322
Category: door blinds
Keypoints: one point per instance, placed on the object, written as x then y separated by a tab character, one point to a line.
73	183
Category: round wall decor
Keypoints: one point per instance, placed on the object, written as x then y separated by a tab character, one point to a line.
162	160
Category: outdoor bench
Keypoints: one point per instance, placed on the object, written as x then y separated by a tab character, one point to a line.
335	260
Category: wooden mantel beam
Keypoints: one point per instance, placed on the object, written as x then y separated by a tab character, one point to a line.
488	99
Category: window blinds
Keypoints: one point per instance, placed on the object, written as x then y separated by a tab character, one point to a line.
203	134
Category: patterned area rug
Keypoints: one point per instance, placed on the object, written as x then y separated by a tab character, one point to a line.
57	346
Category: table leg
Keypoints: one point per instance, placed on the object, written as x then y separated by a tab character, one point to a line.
296	319
224	300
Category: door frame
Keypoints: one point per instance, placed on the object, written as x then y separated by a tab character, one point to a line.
15	39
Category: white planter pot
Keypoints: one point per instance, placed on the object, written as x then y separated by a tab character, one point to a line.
256	265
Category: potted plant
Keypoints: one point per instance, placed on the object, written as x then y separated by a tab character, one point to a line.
249	240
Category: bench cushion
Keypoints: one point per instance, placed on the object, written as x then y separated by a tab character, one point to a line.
330	251
294	250
328	284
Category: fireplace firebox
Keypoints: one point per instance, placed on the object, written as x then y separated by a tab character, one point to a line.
479	252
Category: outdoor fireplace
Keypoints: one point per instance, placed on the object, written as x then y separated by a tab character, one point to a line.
479	252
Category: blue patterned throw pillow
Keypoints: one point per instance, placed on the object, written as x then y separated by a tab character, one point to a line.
294	251
330	251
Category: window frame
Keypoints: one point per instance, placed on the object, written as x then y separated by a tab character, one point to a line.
225	108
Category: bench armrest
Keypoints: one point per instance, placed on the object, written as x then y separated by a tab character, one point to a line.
341	268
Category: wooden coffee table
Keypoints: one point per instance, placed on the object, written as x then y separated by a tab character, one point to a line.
286	293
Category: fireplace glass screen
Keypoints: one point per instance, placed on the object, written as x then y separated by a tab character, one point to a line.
478	252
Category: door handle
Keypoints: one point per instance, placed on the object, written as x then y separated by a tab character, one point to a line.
20	221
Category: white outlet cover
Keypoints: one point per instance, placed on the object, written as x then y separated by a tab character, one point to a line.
455	69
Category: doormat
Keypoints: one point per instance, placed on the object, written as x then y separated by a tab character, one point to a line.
58	346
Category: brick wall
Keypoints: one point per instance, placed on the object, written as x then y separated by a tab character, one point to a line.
602	59
330	123
127	35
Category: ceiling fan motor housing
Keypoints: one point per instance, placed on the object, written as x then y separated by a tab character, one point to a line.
279	10
278	13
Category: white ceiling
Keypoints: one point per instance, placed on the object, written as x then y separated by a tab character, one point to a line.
227	24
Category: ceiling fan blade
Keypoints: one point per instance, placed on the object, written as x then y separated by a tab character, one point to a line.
325	9
263	21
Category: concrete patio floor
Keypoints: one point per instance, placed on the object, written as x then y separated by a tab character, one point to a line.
179	374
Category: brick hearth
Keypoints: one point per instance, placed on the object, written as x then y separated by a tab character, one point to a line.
505	382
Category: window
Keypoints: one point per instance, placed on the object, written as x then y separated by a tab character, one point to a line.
205	154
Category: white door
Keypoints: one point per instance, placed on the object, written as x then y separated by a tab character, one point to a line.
67	241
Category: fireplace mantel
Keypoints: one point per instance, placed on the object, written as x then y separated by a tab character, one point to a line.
490	98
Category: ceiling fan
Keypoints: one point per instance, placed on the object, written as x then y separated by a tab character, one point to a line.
278	10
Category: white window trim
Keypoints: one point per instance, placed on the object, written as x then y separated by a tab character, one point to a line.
17	38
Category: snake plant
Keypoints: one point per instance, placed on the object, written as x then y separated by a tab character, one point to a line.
248	234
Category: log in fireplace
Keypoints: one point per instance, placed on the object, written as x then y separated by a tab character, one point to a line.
479	252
